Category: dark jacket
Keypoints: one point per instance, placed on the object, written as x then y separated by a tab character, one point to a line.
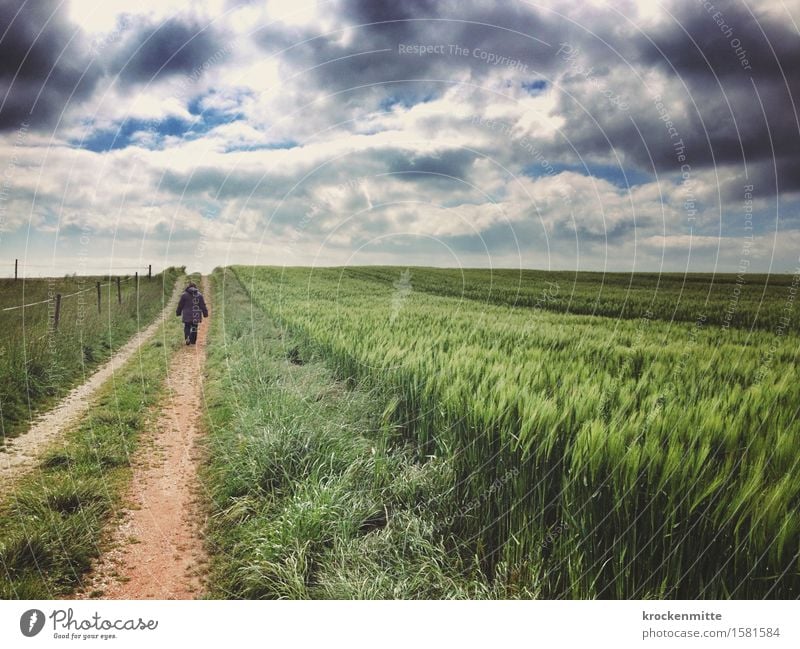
192	306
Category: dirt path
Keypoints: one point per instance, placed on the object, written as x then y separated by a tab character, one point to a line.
157	551
22	452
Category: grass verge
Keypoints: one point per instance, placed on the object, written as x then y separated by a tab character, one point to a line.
41	364
52	518
313	495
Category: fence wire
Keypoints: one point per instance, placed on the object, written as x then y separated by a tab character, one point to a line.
63	297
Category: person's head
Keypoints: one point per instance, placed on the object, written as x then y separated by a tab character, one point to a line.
191	285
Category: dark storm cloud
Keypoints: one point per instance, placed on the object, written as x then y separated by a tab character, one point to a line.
698	42
504	30
44	63
744	77
367	11
176	46
732	97
47	62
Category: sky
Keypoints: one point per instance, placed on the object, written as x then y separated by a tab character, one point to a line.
587	135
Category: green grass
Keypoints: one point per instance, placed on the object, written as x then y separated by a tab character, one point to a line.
39	365
313	494
52	519
747	300
588	456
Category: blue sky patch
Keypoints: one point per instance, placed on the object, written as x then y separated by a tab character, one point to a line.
407	100
615	175
130	131
269	146
534	87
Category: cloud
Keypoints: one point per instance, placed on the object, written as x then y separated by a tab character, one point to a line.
376	48
722	77
43	64
178	45
742	83
573	134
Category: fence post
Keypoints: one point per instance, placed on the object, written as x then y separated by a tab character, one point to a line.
119	292
149	271
136	280
98	297
16	265
57	314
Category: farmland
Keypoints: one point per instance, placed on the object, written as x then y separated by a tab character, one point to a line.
729	300
40	362
567	454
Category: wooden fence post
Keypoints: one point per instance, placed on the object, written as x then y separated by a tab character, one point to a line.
136	280
98	297
149	271
57	314
16	266
119	292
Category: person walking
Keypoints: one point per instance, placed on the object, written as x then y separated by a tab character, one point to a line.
192	309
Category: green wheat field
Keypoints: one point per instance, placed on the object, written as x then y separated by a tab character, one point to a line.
563	435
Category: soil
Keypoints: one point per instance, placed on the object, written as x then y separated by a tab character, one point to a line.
157	550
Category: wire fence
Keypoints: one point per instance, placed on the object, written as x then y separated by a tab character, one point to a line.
103	270
27	265
56	298
98	285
